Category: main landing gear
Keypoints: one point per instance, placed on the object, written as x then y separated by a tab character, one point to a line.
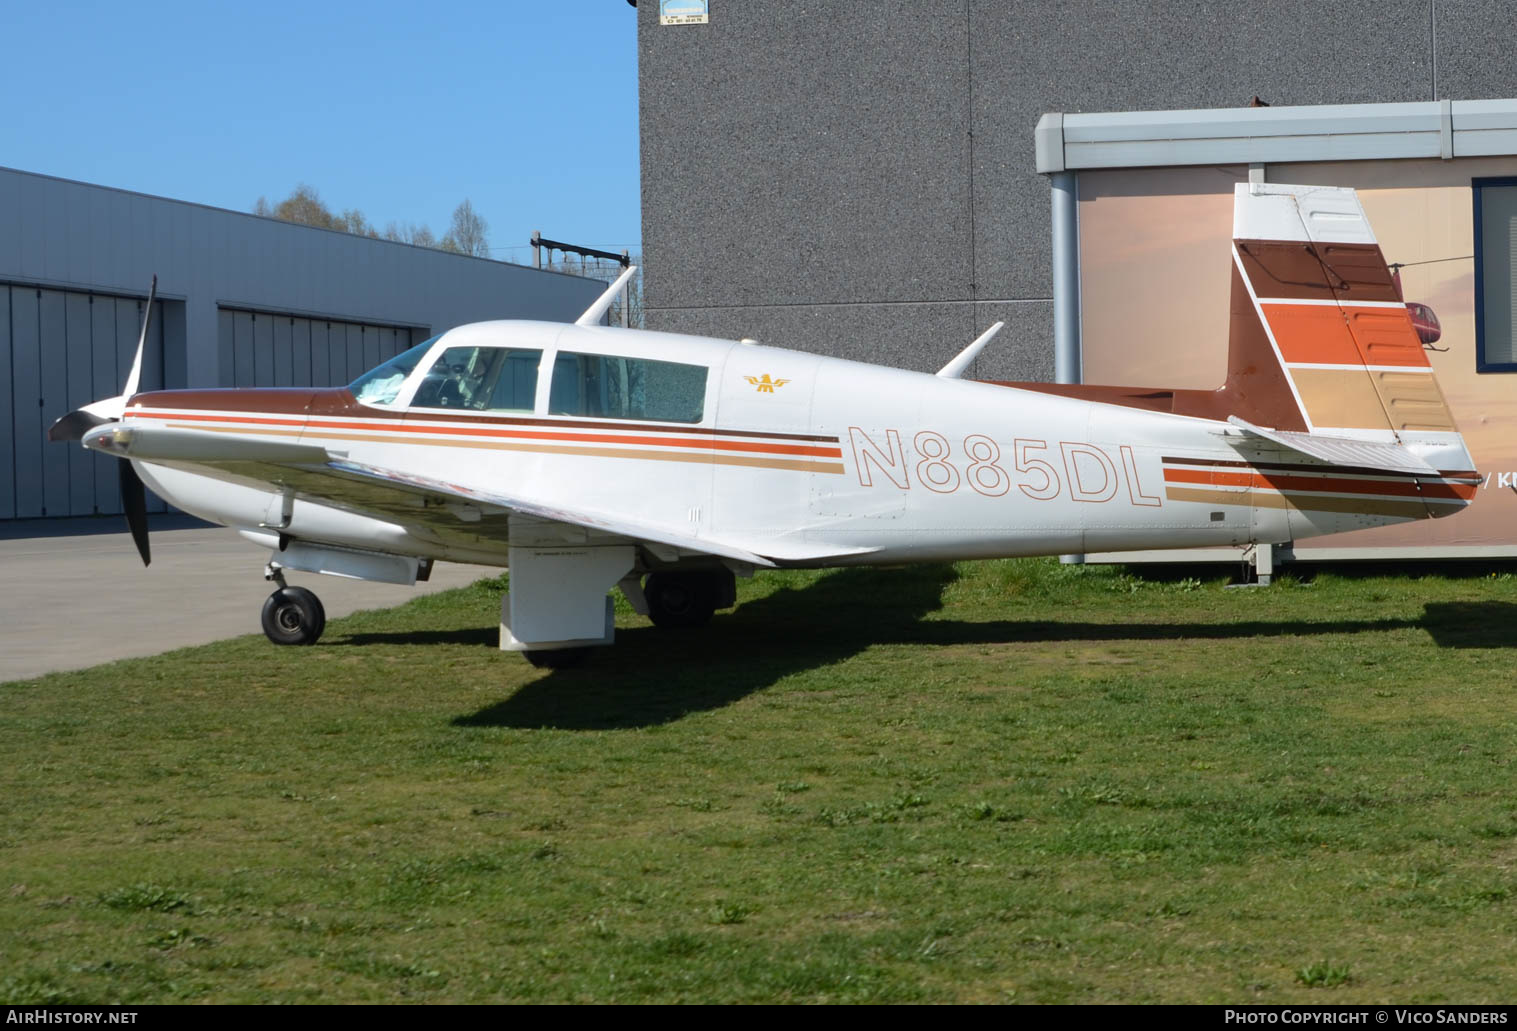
688	600
292	615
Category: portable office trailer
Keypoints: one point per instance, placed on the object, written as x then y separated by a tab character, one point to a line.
1142	229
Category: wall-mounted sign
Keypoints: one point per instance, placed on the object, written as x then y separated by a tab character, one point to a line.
683	12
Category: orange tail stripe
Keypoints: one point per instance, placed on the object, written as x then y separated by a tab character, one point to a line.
1321	334
1387	337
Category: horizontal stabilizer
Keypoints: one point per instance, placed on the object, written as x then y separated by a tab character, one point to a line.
1363	454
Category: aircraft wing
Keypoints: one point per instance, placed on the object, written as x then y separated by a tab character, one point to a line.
331	478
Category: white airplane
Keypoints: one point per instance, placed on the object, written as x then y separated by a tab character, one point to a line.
584	457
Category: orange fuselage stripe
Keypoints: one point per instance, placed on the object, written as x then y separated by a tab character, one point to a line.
408	427
1324	484
698	457
1304	502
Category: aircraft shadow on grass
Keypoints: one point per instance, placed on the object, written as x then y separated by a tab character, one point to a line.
658	676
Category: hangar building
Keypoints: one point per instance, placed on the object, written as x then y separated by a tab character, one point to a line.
242	301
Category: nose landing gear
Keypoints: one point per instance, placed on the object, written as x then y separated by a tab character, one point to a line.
292	615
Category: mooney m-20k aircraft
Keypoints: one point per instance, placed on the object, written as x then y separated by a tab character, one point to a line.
585	457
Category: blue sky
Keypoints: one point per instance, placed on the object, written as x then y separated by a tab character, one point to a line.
399	109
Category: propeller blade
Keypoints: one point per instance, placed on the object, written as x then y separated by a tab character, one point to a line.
80	421
135	376
76	424
134	502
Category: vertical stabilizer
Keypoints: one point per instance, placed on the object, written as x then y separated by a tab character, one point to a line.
1311	283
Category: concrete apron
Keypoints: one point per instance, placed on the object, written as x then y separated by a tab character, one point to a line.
76	601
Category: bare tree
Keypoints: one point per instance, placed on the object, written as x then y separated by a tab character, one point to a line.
417	236
467	233
304	206
353	221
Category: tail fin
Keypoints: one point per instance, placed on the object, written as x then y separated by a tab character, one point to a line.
1344	360
1310	275
1322	349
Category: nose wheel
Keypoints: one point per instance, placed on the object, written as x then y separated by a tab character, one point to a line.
293	615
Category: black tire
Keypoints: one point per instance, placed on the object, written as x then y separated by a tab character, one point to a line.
293	615
556	658
680	600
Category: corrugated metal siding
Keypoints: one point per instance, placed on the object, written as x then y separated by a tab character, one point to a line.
63	349
7	413
263	349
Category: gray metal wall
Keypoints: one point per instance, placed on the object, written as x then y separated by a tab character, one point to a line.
60	349
244	301
263	349
857	178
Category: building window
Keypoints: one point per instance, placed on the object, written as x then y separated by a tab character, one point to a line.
1495	275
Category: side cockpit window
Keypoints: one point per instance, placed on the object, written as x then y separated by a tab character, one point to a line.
611	387
481	379
381	385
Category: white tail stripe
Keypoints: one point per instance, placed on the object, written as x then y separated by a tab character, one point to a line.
1330	302
1367	368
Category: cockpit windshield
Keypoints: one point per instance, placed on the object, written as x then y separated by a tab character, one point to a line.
381	385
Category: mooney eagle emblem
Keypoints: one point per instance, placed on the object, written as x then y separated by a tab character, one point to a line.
765	384
587	457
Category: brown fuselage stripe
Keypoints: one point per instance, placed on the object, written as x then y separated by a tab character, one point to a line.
1305	503
301	425
1230	463
339	403
1330	484
700	458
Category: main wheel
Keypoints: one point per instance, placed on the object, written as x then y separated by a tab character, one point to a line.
680	599
293	615
556	658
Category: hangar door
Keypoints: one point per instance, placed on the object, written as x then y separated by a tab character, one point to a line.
60	349
263	349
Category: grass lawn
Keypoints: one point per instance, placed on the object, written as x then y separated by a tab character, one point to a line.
1001	781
